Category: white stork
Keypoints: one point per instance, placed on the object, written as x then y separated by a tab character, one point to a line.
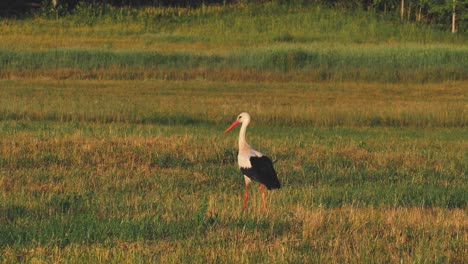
253	164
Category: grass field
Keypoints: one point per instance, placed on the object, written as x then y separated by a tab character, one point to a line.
111	143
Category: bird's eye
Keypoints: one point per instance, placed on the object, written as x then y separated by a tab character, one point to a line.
239	117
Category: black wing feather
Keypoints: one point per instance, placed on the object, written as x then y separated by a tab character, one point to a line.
262	171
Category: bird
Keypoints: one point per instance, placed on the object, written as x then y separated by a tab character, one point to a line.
253	164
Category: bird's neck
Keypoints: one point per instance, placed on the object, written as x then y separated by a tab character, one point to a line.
242	141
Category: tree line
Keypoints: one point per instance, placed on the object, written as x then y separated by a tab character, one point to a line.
446	14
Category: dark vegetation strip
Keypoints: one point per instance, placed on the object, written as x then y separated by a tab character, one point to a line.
372	64
190	120
151	118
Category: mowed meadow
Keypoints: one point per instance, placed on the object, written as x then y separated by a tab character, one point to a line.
112	146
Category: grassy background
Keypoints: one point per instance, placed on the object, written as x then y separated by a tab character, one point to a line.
389	64
111	144
269	42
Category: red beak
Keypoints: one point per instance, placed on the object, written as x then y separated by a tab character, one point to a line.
233	125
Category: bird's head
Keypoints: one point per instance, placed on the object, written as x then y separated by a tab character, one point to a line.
241	118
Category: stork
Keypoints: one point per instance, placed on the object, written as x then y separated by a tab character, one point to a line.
253	164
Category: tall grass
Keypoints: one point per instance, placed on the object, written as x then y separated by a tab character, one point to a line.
389	64
232	42
215	28
260	22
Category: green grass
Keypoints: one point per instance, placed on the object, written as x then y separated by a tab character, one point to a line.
82	182
234	43
253	23
111	143
92	185
391	64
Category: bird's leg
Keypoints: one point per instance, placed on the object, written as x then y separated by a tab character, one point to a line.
246	196
263	196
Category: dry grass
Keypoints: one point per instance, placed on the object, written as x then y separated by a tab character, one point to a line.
303	104
89	192
108	162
